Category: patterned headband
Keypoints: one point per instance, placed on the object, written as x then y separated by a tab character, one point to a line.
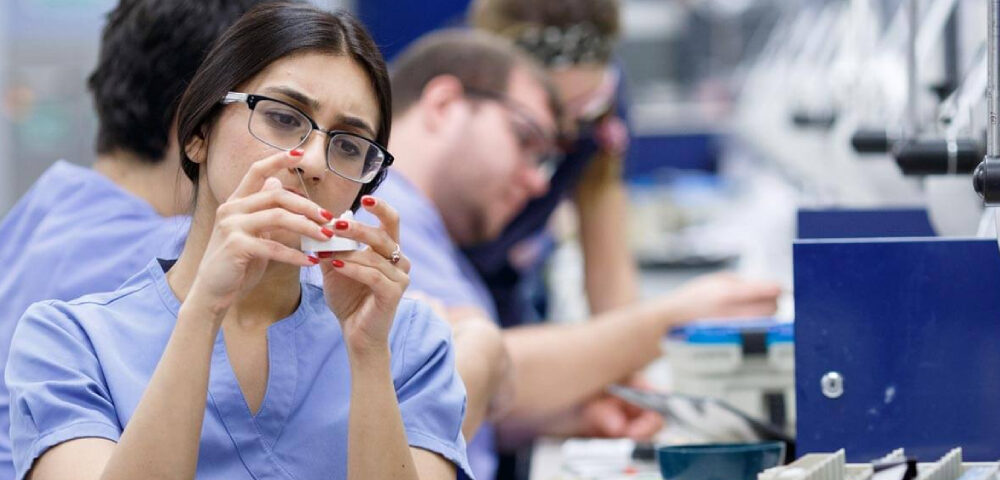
564	47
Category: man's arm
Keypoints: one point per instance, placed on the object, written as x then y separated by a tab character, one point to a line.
558	366
483	363
481	360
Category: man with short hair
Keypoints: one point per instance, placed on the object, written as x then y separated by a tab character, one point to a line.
473	122
80	230
474	131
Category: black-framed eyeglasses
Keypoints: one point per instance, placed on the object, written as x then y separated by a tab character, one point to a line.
530	134
285	127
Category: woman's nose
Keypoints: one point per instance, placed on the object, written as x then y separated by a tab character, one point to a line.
313	164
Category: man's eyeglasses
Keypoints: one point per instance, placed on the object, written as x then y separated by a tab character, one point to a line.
530	134
285	127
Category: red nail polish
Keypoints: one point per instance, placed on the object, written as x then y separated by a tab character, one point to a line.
313	259
297	152
337	263
341	225
327	232
368	201
324	254
325	214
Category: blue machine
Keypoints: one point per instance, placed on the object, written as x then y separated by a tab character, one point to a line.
651	153
864	223
395	24
897	345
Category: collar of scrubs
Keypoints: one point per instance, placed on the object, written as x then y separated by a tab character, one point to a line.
253	435
71	173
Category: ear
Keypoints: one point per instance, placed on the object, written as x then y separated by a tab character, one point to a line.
442	102
197	148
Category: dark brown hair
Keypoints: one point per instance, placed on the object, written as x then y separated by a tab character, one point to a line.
480	61
264	35
150	49
499	16
557	33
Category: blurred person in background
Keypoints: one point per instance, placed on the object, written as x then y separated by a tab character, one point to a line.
574	40
475	132
82	230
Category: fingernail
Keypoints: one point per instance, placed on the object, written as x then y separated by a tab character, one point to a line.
368	201
341	225
327	232
325	214
313	259
337	263
297	152
324	254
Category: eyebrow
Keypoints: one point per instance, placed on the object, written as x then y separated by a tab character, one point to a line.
356	123
313	105
295	95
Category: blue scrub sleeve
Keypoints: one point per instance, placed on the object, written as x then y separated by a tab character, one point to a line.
431	394
57	387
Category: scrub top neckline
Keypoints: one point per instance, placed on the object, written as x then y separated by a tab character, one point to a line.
158	268
253	435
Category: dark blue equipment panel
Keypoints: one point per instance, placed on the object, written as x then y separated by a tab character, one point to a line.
649	154
864	223
913	327
395	24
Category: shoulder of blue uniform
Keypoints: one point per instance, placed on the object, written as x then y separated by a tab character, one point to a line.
105	299
81	310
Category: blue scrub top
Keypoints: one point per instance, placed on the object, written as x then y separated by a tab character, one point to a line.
78	369
440	270
75	232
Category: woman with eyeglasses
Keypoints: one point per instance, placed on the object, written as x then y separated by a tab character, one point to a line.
221	364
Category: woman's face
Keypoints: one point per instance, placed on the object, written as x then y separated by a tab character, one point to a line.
587	90
333	90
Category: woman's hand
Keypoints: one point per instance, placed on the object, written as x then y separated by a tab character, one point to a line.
241	246
363	287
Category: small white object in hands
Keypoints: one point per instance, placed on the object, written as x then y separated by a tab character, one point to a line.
335	243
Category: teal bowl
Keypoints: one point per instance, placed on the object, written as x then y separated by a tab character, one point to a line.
737	461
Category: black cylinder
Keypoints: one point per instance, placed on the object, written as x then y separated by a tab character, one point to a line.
986	181
938	156
871	141
817	120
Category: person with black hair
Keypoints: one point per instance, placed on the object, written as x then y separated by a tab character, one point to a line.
223	364
83	230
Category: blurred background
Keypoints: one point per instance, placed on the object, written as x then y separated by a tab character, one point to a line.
742	113
742	110
747	117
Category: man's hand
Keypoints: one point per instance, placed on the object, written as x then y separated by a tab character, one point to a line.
724	295
608	416
605	415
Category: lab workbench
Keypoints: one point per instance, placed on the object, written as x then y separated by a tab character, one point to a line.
549	463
